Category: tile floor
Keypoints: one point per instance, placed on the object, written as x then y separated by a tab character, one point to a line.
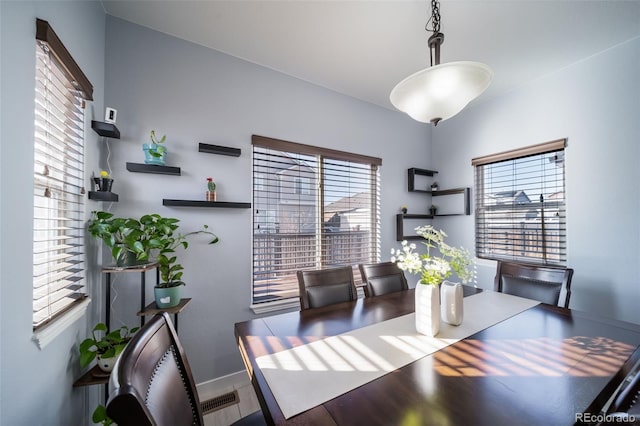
247	405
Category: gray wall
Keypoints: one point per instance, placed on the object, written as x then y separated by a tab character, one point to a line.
595	104
36	385
194	94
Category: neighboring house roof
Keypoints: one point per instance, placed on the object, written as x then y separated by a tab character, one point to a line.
556	196
294	163
510	197
361	200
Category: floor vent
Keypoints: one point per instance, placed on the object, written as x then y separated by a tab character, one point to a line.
219	402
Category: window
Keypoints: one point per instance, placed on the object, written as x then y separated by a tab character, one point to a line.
58	213
317	208
303	186
520	205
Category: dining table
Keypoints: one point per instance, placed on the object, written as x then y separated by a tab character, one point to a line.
535	365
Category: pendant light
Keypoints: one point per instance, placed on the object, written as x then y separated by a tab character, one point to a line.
442	90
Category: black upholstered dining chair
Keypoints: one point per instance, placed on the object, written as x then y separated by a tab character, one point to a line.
325	287
152	384
382	278
546	284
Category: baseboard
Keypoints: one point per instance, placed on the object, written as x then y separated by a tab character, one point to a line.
220	385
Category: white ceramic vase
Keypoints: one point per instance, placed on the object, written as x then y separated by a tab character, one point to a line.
427	309
451	299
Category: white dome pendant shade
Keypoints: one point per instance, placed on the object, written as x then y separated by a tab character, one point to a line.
441	91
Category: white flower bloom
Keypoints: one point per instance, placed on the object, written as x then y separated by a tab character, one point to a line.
433	269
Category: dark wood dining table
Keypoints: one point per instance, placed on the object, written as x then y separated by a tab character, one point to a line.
543	366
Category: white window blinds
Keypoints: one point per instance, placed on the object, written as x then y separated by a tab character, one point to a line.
520	205
313	208
58	214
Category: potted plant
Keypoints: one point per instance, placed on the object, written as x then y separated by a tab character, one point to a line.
129	239
155	152
104	182
167	239
434	269
106	349
211	190
433	210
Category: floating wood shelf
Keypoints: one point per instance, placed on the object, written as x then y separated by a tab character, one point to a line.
400	225
411	176
95	376
103	196
454	191
152	308
153	168
105	129
199	203
220	150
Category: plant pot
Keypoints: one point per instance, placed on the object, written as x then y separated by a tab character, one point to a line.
452	305
433	211
106	364
167	297
128	258
103	184
211	195
158	159
427	309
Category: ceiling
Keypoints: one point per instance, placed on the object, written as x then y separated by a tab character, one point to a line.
364	48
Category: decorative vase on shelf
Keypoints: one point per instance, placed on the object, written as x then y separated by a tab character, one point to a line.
154	154
452	305
427	309
211	195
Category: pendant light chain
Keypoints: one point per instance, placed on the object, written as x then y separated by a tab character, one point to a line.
435	17
437	38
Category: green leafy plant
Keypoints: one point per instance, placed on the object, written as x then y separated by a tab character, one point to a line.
167	239
157	149
144	237
124	235
108	346
100	416
433	269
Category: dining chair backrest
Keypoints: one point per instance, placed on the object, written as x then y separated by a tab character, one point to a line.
382	278
325	287
546	284
151	383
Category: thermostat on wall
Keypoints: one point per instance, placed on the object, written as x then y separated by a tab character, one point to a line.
110	115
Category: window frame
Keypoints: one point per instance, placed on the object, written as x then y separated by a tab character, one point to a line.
57	74
316	184
553	251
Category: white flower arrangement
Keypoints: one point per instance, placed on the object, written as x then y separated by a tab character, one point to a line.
433	269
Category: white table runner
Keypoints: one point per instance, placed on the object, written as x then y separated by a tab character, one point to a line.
309	375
